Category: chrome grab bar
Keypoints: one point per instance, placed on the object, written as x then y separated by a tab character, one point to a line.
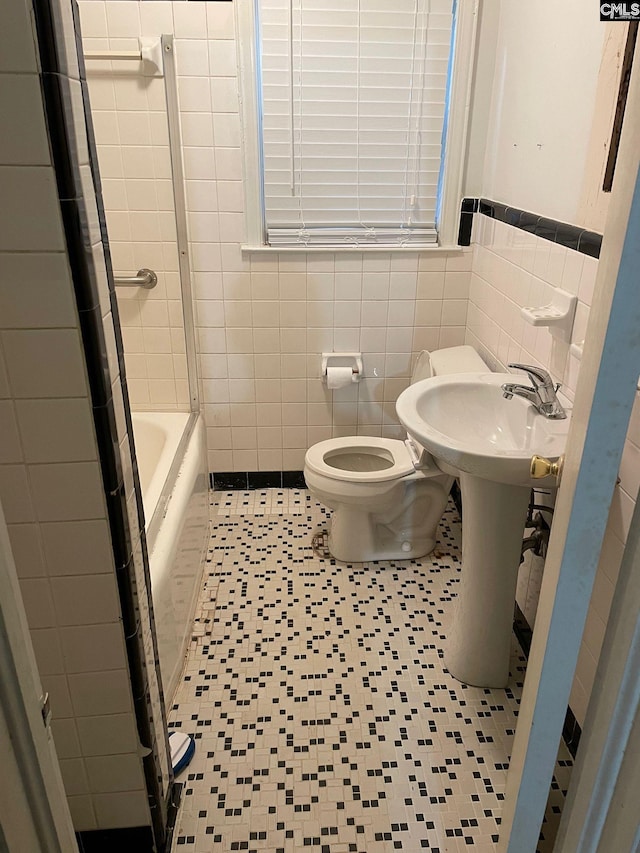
144	278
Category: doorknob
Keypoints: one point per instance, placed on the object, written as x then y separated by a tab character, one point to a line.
541	467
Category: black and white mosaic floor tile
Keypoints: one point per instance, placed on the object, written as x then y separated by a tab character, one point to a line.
323	716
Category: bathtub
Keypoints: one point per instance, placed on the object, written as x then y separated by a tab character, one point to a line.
171	454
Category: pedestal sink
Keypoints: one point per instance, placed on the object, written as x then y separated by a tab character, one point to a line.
473	432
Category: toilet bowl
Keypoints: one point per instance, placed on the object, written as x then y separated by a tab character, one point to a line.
387	495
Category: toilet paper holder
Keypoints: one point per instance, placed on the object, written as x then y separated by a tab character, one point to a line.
343	359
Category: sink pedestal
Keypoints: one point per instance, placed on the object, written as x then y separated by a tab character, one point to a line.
466	423
479	635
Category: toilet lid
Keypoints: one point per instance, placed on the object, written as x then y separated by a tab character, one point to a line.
360	459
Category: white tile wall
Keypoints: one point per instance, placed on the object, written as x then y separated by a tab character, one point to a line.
31	370
17	46
50	482
125	809
56	430
262	323
114	731
511	269
23	227
129	115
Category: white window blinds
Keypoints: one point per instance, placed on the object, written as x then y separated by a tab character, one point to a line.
353	99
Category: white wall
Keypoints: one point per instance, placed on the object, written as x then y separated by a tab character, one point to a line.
594	204
481	95
130	124
547	59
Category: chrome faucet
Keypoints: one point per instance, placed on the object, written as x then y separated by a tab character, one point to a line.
541	393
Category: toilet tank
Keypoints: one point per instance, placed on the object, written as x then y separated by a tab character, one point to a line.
462	359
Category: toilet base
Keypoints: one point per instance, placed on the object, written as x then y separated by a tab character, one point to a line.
394	551
403	529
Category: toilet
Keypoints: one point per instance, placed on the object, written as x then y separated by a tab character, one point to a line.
387	495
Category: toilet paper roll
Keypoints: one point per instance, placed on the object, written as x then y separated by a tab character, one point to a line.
339	377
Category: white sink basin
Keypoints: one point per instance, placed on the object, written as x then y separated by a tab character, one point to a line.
465	421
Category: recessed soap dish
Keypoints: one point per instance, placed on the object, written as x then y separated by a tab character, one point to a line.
558	315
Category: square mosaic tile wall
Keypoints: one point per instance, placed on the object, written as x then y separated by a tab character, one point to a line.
322	713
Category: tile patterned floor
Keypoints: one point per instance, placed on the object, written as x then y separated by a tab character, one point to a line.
317	694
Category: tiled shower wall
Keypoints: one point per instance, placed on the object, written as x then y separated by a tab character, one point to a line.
130	123
513	268
263	321
50	480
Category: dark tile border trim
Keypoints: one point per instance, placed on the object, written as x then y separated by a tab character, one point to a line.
569	236
456	497
522	631
243	481
62	131
136	839
467	208
571	730
175	799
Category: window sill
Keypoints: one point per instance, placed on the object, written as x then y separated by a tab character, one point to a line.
340	250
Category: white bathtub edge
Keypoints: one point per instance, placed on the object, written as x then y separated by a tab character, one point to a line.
185	518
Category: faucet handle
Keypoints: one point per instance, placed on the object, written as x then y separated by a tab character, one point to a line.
537	375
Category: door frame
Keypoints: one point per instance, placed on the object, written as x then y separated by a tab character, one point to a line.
604	398
601	810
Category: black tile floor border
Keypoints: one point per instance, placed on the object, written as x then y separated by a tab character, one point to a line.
293	480
175	798
264	479
522	630
456	496
229	481
570	236
571	730
135	839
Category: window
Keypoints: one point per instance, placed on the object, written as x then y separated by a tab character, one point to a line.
350	98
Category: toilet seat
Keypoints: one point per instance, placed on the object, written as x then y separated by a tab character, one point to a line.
385	458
